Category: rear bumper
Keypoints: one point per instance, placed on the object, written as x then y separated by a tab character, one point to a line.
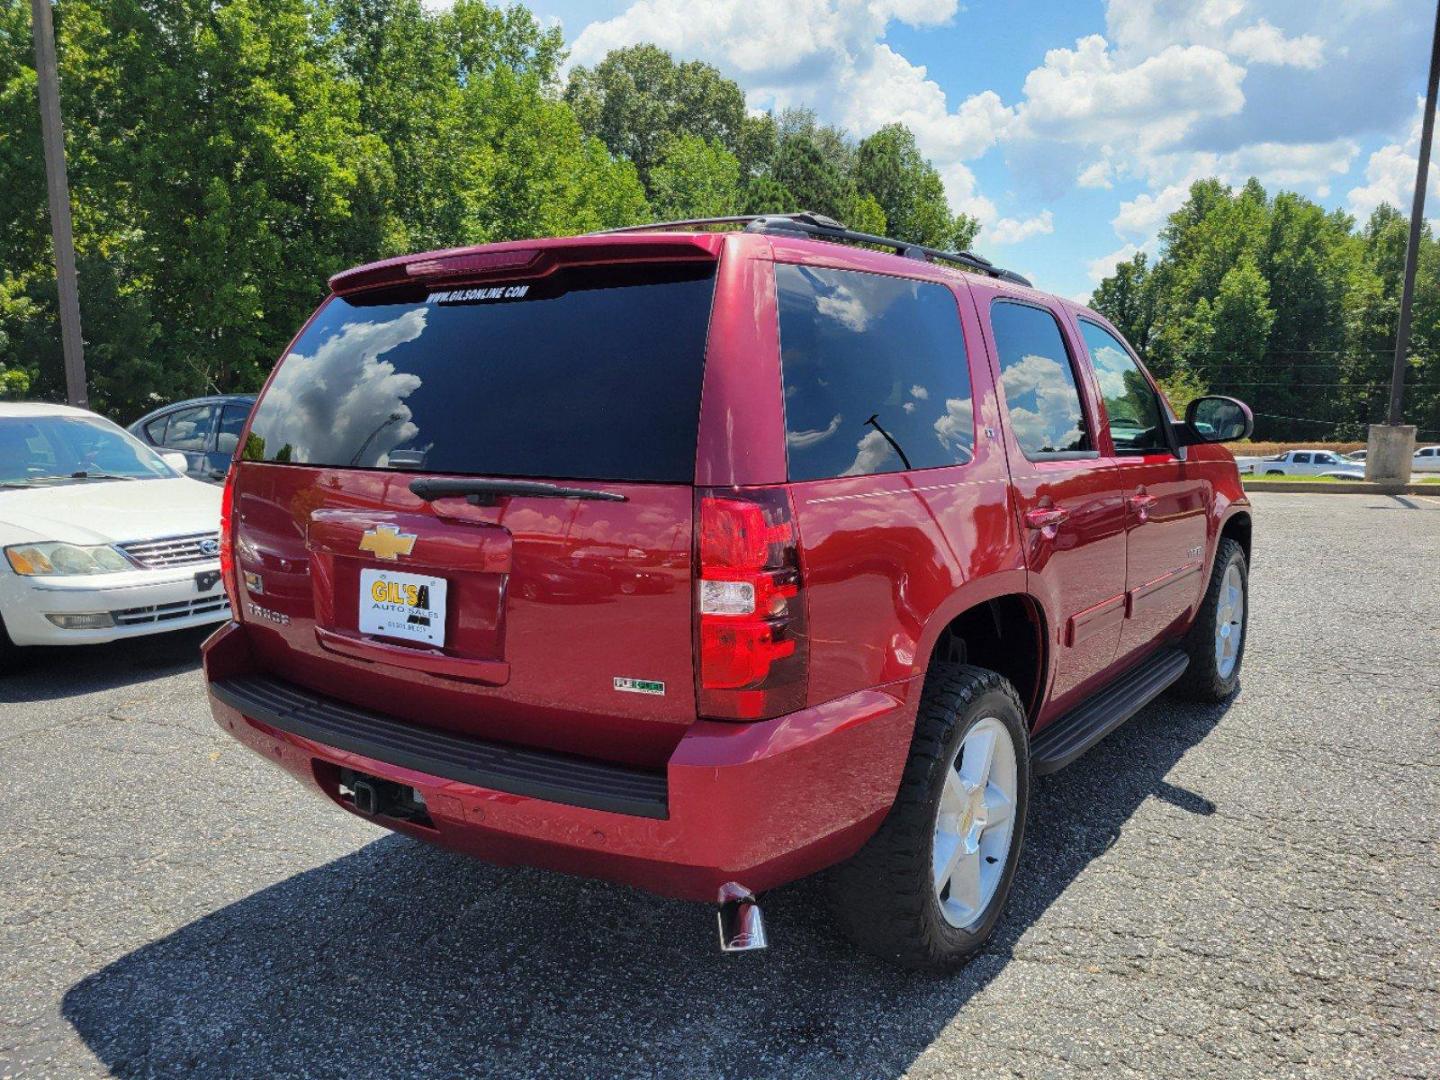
760	803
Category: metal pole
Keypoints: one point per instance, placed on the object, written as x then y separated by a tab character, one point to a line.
1412	251
53	136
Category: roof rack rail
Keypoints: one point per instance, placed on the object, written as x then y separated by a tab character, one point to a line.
808	223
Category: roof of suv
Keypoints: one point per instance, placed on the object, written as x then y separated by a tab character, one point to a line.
649	242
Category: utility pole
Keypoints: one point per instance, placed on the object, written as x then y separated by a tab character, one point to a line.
53	135
1392	447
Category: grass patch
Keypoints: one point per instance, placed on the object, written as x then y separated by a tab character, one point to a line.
1261	481
1298	479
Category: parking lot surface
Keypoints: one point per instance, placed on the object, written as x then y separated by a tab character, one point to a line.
1241	890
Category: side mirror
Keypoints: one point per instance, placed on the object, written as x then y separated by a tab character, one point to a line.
1215	420
179	462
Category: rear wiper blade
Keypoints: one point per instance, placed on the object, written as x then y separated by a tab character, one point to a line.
484	492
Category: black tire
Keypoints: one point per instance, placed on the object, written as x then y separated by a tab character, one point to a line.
1273	472
883	898
1202	680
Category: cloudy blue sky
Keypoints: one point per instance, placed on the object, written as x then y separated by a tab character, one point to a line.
1072	127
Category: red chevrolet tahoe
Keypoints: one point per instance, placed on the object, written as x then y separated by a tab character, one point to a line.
706	560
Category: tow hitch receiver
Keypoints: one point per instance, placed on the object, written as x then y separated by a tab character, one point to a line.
374	797
742	926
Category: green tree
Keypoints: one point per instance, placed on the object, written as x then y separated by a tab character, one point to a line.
1127	299
637	98
694	177
911	195
227	156
1225	340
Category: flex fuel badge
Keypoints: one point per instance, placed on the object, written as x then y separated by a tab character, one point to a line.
640	686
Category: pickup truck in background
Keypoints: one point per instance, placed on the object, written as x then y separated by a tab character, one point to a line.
1305	463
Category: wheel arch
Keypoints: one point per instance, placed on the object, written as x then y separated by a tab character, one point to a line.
1005	633
1238	527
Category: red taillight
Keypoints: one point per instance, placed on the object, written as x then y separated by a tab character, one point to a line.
751	613
227	543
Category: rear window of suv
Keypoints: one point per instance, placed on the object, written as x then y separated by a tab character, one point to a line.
876	375
585	374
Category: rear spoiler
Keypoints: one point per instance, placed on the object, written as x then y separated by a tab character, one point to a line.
526	259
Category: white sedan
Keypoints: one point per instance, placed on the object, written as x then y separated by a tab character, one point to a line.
102	538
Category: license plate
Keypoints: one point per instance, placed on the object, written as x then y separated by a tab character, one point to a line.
406	606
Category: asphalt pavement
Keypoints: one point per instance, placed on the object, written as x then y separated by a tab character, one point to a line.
1242	890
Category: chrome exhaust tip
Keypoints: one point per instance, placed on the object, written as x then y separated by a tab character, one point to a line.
742	926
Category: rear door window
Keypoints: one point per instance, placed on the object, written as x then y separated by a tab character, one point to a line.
585	374
876	374
1038	379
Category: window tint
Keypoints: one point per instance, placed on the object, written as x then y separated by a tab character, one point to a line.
1302	459
190	428
232	419
876	376
584	374
1039	383
1136	417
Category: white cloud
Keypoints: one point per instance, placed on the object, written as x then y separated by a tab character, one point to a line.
1098	175
1143	215
873	454
1086	94
1040	395
1145	27
1104	266
961	190
1390	176
1265	44
1013	230
343	395
802	439
1274	164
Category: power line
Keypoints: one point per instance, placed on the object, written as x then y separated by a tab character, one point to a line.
1328	423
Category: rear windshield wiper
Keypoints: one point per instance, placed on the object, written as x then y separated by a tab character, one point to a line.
485	492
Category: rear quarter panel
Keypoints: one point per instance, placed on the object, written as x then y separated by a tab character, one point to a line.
890	559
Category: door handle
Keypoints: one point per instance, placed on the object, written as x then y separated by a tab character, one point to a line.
1142	504
1046	517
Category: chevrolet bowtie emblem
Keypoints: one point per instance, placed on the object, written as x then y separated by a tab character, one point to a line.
387	542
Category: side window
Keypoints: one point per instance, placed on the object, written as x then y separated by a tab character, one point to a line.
190	428
876	374
1301	459
232	420
155	430
1038	380
1137	418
